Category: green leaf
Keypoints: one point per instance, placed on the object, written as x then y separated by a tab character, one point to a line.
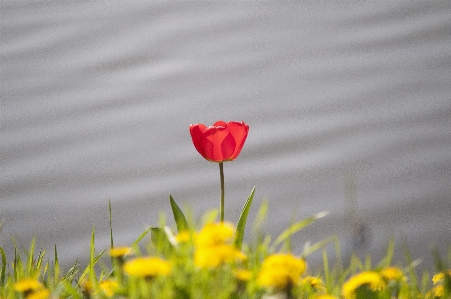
309	249
92	275
160	239
111	224
179	217
30	256
295	227
239	235
3	272
57	266
209	217
93	259
260	218
386	261
135	243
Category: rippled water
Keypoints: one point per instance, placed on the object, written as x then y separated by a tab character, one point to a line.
349	107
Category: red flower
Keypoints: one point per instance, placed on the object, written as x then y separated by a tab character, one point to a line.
221	141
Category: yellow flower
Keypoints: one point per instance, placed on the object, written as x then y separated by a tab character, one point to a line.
215	234
326	296
438	277
120	251
28	285
147	267
392	273
439	291
108	287
41	294
280	270
183	236
314	282
213	256
243	275
372	279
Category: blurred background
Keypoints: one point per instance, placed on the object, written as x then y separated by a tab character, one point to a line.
349	108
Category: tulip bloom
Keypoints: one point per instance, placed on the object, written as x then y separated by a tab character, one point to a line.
220	142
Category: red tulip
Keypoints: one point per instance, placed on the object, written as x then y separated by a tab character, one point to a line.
221	141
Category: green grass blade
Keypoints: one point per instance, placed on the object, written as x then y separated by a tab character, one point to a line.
160	239
30	256
239	234
295	227
312	248
92	274
135	243
179	217
387	259
56	273
111	224
327	274
260	218
3	272
110	213
96	258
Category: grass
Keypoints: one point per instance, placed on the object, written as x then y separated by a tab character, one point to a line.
210	259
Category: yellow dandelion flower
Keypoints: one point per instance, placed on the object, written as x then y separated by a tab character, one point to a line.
108	287
314	282
280	270
147	267
28	285
243	275
325	296
372	279
438	277
392	273
41	294
120	251
438	291
215	234
183	236
214	256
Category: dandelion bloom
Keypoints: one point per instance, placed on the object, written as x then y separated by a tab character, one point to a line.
438	291
438	277
183	236
314	282
214	234
214	256
281	270
243	275
147	267
325	296
28	285
220	142
120	251
392	273
370	278
40	294
108	287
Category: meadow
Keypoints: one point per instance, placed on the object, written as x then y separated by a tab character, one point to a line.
208	257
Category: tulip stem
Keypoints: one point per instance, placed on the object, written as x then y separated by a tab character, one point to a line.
221	175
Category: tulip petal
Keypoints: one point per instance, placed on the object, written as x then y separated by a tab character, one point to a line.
196	131
228	146
213	140
239	131
220	123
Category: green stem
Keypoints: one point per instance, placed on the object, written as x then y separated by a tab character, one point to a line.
221	175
